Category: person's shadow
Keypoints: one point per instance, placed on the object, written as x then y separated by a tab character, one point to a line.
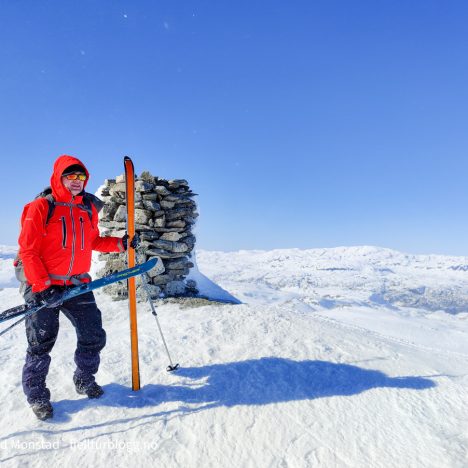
261	381
254	382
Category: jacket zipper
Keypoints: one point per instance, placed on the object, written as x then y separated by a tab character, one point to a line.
64	232
82	232
73	240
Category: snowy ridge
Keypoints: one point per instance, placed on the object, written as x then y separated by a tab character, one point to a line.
347	276
311	369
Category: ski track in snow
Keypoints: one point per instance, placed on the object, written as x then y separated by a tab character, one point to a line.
347	357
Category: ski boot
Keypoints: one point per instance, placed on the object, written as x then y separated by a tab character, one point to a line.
92	390
42	409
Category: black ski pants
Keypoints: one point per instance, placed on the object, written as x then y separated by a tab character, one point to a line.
42	330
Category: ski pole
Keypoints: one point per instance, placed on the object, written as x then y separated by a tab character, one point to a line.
171	367
13	325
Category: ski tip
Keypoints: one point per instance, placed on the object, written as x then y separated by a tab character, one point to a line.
152	262
128	163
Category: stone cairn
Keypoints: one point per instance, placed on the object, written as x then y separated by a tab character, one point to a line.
165	214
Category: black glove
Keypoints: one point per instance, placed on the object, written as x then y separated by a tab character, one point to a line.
135	242
50	297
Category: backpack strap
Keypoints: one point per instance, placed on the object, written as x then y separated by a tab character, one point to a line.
51	202
88	201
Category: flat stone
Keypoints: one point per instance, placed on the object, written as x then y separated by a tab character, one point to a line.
142	216
142	227
187	204
160	181
162	244
150	196
170	246
167	205
121	214
158	214
159	269
152	205
108	211
162	279
171	236
190	240
142	186
176	198
166	229
148	235
190	220
176	183
178	263
181	190
176	224
179	247
145	243
185	233
159	222
155	252
118	190
161	190
175	288
178	213
179	272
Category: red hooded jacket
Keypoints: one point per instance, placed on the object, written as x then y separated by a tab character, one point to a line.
53	252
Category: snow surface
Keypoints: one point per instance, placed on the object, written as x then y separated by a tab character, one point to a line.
345	357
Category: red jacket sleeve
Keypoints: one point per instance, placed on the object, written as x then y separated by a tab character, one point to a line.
32	233
105	244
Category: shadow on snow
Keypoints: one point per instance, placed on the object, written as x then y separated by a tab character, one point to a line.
254	382
262	381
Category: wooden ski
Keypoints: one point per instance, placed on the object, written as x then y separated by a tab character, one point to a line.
130	199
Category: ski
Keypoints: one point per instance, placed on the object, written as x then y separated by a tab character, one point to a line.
130	202
26	310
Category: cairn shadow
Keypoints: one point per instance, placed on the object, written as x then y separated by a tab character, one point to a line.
261	381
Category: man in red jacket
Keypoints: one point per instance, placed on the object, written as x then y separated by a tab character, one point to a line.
56	254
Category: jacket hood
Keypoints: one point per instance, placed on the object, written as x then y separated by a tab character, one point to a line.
58	189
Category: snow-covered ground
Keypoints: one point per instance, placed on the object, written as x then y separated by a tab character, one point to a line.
338	357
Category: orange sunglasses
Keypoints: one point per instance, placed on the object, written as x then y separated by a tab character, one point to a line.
76	177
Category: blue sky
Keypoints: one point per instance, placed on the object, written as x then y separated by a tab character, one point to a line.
299	123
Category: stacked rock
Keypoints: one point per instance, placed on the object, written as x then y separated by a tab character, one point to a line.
165	214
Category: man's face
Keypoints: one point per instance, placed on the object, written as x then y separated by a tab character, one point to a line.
74	186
